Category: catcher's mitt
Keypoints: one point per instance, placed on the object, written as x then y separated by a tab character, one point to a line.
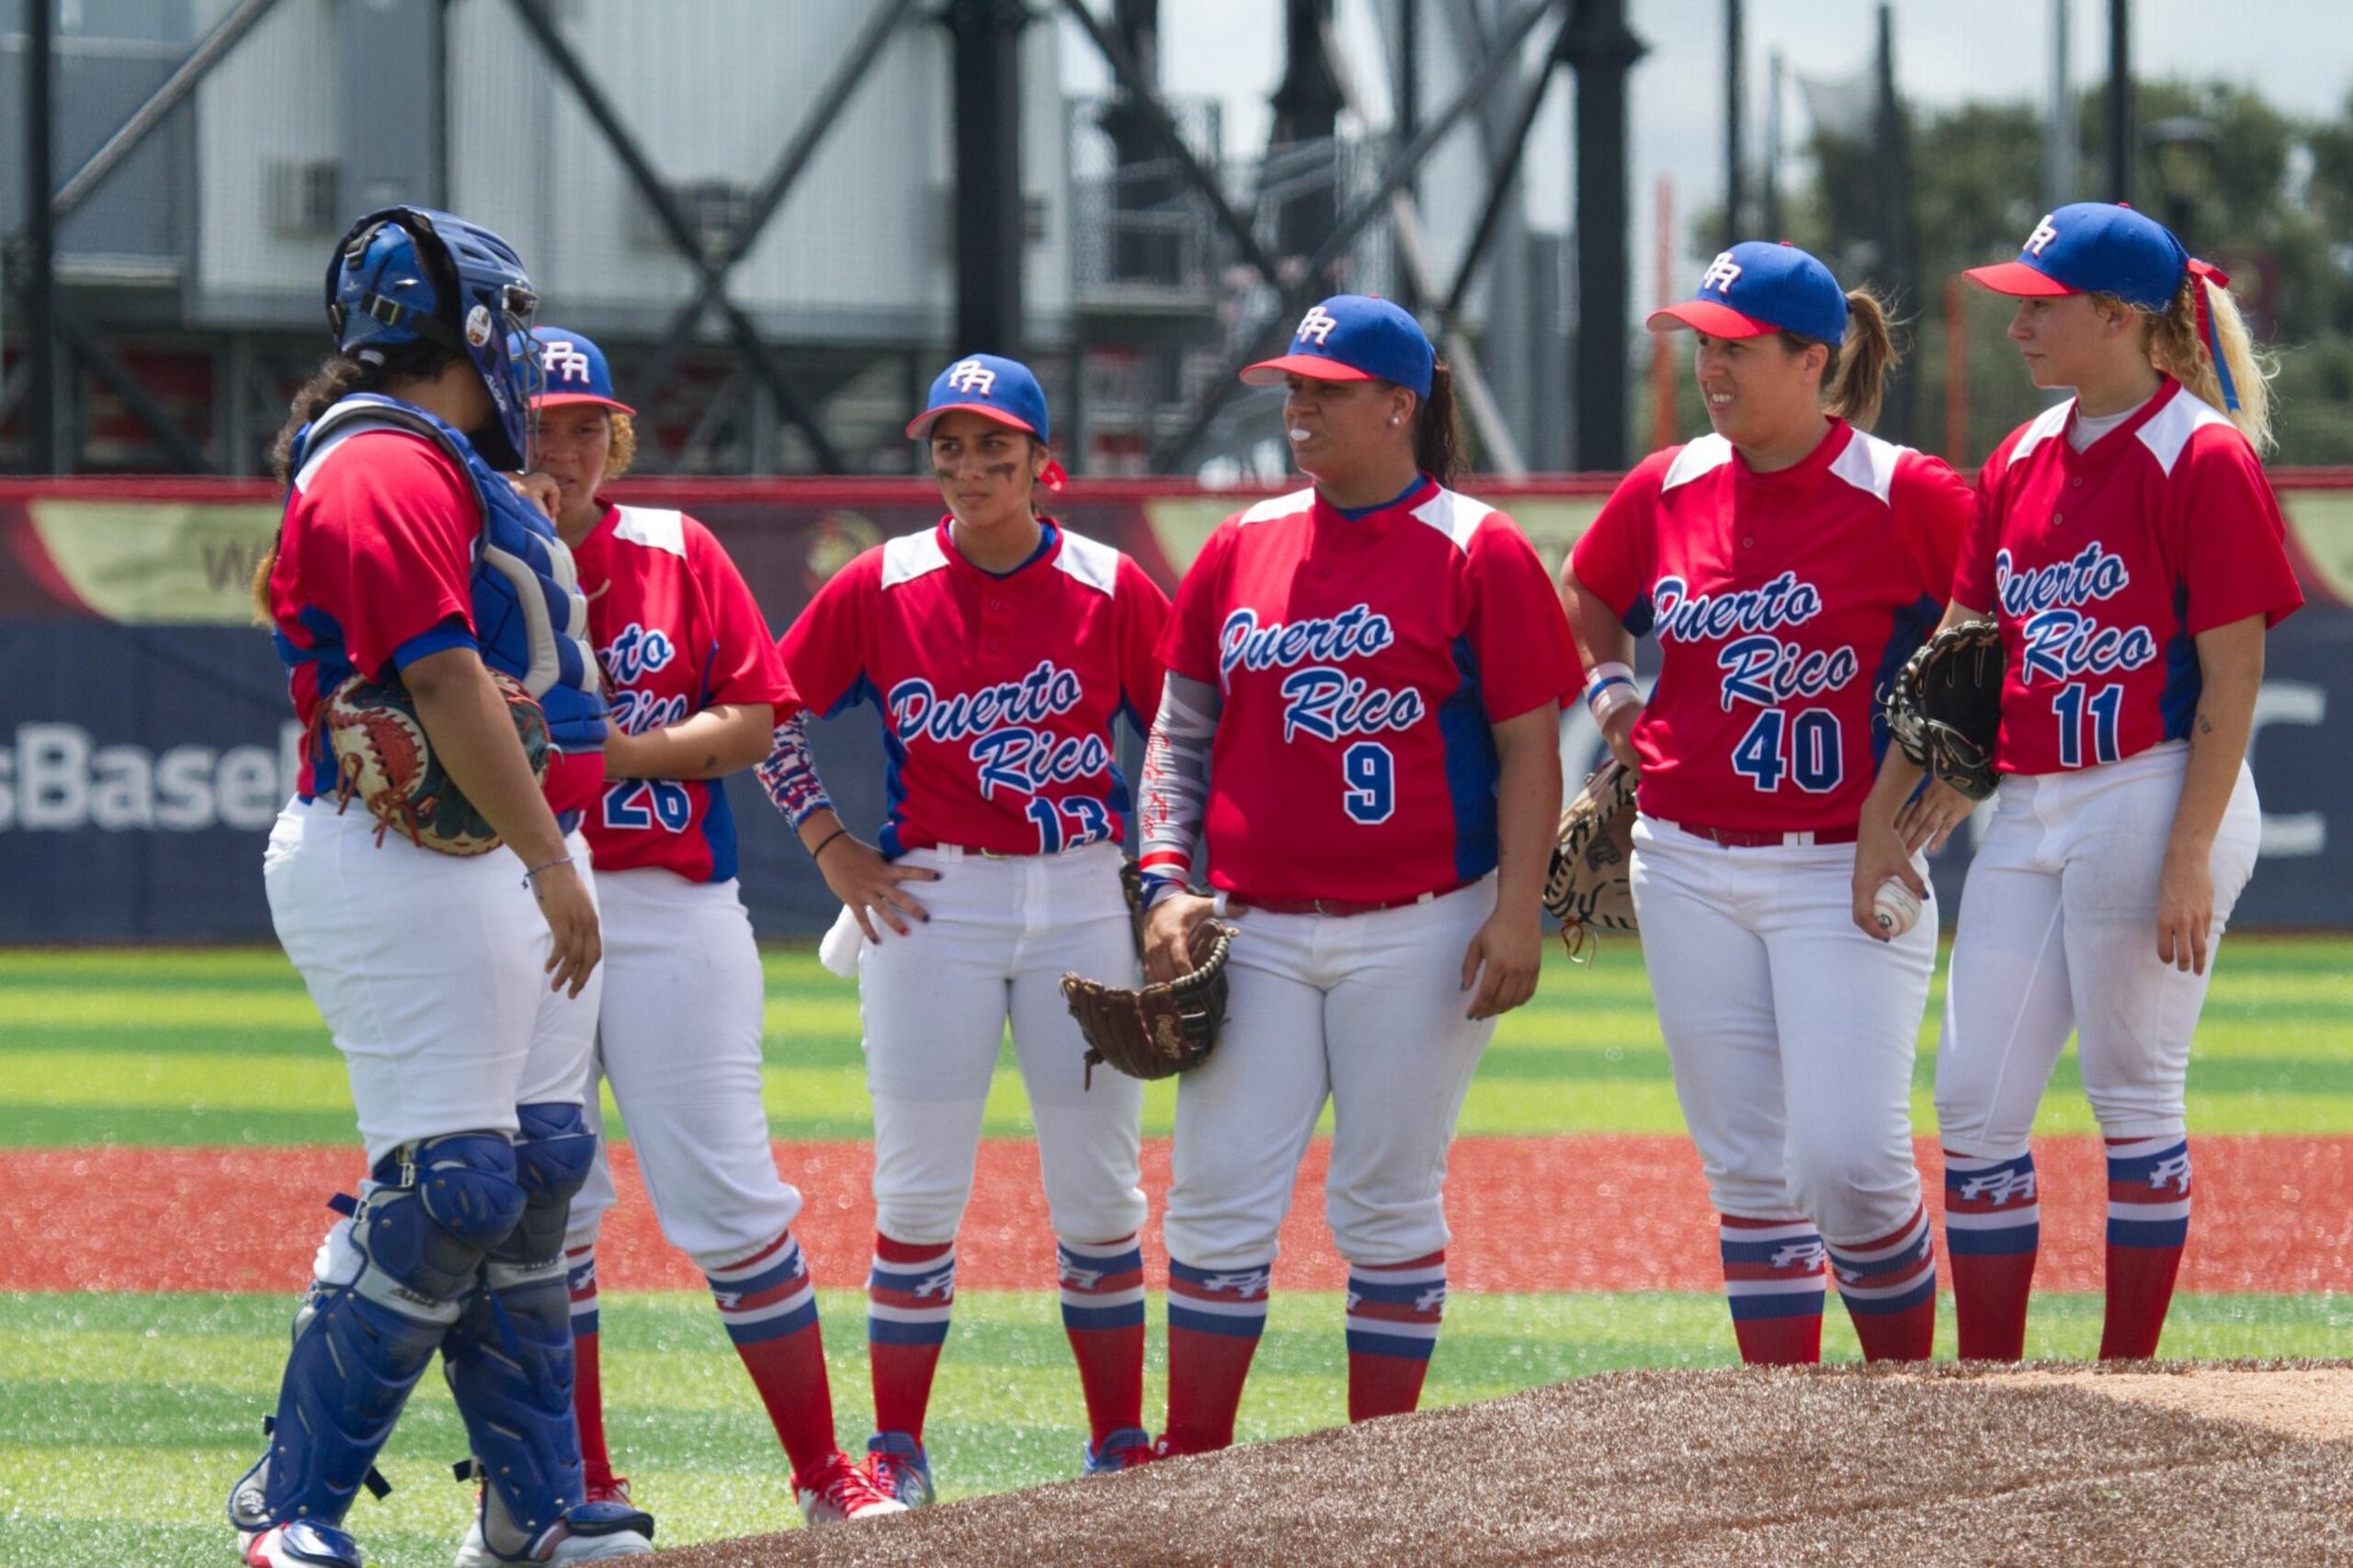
382	759
1590	885
1944	708
1170	1027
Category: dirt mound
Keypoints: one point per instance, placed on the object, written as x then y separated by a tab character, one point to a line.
2181	1462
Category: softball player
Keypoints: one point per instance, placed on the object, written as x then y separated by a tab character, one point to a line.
2134	555
1789	563
404	554
999	647
696	687
1361	720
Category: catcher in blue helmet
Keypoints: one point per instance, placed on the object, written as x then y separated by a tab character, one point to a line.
436	642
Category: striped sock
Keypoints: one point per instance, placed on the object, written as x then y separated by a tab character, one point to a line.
909	1297
2148	1224
1394	1311
1215	1319
1993	1228
1773	1279
768	1304
587	1385
1102	1287
1890	1286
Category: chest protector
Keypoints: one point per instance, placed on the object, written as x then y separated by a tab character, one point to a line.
531	621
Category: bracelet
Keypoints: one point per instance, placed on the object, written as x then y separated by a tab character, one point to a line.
531	873
828	842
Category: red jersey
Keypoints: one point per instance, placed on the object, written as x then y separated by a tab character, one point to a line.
1363	663
997	693
676	631
2103	565
1784	603
374	571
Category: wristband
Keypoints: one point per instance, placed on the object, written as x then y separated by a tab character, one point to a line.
1606	699
1606	678
827	842
531	873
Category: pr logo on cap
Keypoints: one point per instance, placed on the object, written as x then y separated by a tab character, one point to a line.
2043	234
560	360
1317	323
972	376
1722	273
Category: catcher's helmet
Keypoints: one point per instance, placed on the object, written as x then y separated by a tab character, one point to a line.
406	273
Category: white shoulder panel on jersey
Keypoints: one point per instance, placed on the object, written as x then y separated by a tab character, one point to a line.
324	443
1093	563
1869	463
1706	455
2046	427
1456	517
1278	506
911	556
653	528
2169	430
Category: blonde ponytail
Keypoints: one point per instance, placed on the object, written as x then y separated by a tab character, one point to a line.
2178	347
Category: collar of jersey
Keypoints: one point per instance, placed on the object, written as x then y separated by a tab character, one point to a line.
2120	439
1423	489
1807	468
1047	550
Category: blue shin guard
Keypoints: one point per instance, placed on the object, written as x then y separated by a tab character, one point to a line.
394	1281
508	1356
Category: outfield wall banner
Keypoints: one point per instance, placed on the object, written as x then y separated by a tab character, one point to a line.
146	743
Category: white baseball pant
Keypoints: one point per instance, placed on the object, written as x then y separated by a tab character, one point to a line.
2059	932
679	1039
1791	1034
936	1002
1368	1010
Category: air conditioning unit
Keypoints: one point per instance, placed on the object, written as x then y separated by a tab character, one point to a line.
304	202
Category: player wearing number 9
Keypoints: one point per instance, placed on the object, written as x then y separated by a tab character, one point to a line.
1000	647
2130	549
1361	726
1789	563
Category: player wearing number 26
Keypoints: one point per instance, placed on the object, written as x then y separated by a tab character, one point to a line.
1789	563
1362	727
2130	549
1000	647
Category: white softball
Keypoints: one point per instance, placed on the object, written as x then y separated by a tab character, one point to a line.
1895	907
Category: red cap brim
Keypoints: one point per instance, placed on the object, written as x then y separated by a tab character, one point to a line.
561	400
1270	372
920	426
2019	280
1706	315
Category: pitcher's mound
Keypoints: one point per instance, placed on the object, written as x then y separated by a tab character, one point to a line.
2174	1463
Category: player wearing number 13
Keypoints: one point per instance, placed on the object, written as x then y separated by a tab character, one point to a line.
1789	563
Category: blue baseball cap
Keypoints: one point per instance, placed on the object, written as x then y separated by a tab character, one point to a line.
571	369
987	384
1758	287
2094	247
1353	337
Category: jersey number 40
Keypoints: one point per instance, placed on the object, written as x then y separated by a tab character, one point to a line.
1803	746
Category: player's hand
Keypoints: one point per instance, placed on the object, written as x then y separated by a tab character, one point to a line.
1881	851
1169	934
869	886
571	915
1510	948
1619	731
2185	909
1927	819
538	488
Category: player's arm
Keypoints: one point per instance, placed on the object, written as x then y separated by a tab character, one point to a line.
854	871
1171	800
2230	663
1509	947
723	739
1607	649
471	732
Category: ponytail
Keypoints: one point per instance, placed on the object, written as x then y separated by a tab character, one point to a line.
2178	347
1854	378
334	380
1437	443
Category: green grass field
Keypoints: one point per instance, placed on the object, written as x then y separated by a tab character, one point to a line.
124	1417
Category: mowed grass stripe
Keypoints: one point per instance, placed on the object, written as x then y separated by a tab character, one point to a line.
222	1046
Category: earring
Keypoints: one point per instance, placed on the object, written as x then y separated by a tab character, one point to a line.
1393	419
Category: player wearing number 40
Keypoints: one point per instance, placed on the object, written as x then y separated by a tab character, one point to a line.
1789	563
1000	648
696	688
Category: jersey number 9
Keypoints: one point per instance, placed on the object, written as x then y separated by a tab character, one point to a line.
1371	776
